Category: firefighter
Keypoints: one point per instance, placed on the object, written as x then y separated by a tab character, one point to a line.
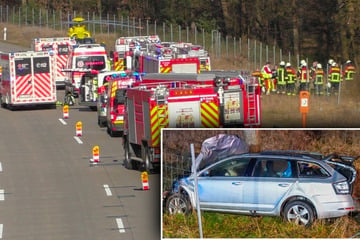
334	78
267	76
303	75
290	79
319	80
280	78
349	71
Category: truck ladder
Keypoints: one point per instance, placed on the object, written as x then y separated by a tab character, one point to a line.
252	106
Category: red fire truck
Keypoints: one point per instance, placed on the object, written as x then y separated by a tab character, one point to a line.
151	107
124	48
240	103
27	79
60	46
111	101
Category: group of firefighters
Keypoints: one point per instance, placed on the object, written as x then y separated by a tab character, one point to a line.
284	79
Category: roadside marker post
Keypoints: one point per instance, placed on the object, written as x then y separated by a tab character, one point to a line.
66	111
304	106
145	180
78	128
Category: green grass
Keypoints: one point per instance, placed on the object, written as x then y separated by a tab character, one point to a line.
218	225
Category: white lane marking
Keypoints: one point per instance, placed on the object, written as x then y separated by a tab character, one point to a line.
120	225
62	121
0	167
1	230
107	190
78	140
2	195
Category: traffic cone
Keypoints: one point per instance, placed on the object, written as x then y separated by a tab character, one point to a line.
66	111
145	181
79	128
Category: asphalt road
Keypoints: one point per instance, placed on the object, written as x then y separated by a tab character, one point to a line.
48	189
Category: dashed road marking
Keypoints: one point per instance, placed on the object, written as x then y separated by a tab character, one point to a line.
1	230
107	190
2	195
120	225
0	167
62	121
78	140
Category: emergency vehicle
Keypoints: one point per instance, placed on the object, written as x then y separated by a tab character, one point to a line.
27	79
111	101
84	58
240	102
60	46
151	107
124	48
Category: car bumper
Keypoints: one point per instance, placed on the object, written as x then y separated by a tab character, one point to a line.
339	206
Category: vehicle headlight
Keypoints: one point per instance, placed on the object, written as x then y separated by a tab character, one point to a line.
341	187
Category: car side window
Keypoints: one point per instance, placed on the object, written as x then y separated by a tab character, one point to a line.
273	168
309	169
235	167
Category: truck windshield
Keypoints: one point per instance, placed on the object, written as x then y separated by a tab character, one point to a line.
91	62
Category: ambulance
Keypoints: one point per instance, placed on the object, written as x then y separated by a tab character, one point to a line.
60	46
84	58
27	79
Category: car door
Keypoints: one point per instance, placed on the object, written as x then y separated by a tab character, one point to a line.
221	185
266	187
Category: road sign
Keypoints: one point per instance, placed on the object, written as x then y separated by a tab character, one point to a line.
79	128
66	111
145	180
96	154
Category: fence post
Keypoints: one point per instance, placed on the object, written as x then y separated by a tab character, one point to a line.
179	27
260	61
204	41
255	43
19	16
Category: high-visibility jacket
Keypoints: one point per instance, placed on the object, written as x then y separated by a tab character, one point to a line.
349	72
290	75
303	74
319	77
266	72
334	74
281	76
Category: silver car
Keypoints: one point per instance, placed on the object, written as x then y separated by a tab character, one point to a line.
298	186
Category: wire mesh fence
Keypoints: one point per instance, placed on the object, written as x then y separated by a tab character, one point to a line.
252	53
174	166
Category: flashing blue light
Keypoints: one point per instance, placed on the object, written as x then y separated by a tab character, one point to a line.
123	74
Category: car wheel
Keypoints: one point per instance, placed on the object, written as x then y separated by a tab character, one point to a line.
178	204
299	212
127	161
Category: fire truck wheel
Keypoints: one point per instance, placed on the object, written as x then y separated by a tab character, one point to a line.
101	123
145	154
127	161
2	102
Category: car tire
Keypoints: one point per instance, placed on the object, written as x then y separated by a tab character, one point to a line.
177	204
299	212
128	163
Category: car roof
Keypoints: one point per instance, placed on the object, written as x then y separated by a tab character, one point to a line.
295	153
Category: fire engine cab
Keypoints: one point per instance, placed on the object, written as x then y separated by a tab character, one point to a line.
27	79
60	46
151	107
84	58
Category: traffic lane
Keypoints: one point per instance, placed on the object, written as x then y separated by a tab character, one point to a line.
77	229
141	208
49	197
